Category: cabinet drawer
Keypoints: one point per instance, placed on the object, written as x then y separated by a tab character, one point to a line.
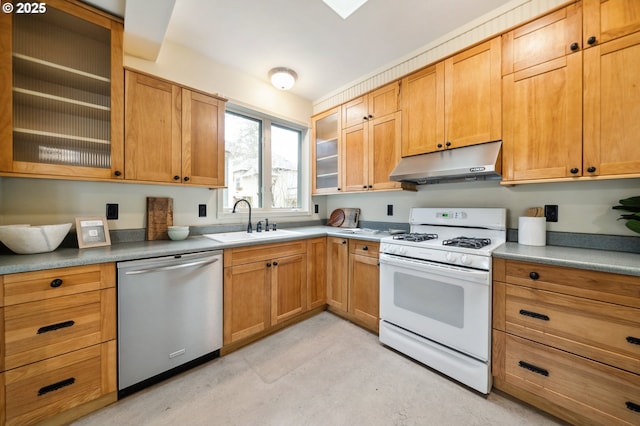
603	394
29	286
364	248
602	331
242	255
603	286
43	329
40	390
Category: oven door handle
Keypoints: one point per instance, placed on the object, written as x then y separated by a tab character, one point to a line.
426	266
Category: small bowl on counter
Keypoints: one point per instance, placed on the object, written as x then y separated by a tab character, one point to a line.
177	233
27	239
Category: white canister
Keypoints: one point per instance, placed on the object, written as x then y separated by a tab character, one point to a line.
532	231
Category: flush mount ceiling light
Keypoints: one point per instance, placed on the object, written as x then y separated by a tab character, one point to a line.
283	78
344	8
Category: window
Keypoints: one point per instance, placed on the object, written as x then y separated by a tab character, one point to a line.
262	163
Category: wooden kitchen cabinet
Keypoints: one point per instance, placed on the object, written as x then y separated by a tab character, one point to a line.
570	108
172	134
62	93
364	283
316	272
326	173
352	280
58	347
263	285
558	331
371	140
454	103
337	272
543	97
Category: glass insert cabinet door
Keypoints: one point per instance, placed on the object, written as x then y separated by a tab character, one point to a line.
326	151
66	91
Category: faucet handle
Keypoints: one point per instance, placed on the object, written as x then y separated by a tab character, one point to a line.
259	226
266	224
274	227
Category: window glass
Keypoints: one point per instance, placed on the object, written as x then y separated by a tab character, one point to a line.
285	159
242	157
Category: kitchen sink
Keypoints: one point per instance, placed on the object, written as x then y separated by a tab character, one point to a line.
231	237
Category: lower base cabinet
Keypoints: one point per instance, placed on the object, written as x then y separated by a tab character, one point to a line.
566	340
266	285
58	348
353	286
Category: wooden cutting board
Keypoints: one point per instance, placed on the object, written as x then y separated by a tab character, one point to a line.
159	217
336	218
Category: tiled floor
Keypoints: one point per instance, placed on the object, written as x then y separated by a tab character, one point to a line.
323	371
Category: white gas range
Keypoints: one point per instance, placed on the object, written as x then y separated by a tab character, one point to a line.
435	290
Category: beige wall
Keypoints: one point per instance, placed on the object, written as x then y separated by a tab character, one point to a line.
583	207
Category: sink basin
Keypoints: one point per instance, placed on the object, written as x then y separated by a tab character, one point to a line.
231	237
363	231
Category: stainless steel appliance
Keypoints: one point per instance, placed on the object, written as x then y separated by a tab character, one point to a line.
435	290
169	316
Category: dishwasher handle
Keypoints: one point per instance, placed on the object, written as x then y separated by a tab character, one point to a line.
172	267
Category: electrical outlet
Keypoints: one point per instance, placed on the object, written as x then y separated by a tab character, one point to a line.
316	208
112	211
202	210
389	209
551	212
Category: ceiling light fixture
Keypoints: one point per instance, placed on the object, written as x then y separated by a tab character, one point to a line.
344	8
283	78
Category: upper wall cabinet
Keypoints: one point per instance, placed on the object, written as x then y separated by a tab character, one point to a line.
453	103
611	88
62	93
371	140
173	134
571	94
542	110
326	145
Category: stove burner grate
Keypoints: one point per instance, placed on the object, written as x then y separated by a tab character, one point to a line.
467	242
417	237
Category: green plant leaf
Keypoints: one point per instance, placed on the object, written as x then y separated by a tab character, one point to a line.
627	208
634	225
631	202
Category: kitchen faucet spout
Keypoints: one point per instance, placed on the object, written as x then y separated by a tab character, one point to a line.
249	228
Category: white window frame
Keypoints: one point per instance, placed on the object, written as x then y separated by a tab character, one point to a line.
225	215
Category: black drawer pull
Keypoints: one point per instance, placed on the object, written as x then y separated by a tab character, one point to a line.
633	340
54	327
56	283
54	387
534	275
365	248
534	315
533	368
632	406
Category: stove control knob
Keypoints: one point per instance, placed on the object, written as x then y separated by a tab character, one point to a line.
451	257
465	260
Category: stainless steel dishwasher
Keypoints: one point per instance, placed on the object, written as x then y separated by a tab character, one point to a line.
169	316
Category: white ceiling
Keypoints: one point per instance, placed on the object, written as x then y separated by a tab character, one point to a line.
326	51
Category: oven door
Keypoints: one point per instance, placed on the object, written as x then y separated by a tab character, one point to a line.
447	304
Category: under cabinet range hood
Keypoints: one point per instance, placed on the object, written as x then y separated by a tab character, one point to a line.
467	163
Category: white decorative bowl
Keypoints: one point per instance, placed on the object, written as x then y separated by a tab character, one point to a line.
177	233
26	239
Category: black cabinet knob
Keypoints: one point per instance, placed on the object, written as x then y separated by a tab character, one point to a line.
117	173
370	116
268	265
176	177
186	179
591	40
439	145
448	143
370	186
365	248
275	263
591	169
364	186
574	171
534	275
338	189
574	46
56	283
344	241
364	118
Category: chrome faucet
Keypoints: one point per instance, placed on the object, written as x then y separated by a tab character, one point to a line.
249	229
